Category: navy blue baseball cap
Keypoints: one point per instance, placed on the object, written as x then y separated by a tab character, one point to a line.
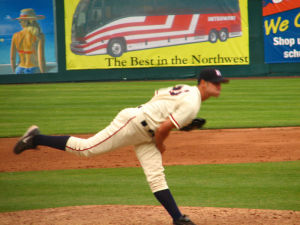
211	75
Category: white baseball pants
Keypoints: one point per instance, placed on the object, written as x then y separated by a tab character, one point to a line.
126	129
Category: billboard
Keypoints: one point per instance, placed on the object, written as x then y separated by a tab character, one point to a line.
27	37
281	31
150	33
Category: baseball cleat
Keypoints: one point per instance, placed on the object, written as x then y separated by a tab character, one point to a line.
183	220
26	141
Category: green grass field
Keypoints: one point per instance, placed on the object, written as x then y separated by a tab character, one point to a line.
70	108
255	185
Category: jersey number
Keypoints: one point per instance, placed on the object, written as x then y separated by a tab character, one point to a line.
176	90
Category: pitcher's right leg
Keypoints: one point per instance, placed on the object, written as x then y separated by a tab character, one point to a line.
151	161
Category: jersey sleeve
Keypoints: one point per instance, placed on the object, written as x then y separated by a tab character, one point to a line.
183	115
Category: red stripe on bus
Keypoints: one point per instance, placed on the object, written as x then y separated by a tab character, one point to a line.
179	24
149	20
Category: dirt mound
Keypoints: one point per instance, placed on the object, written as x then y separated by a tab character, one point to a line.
147	215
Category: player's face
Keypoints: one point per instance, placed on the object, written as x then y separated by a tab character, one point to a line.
213	89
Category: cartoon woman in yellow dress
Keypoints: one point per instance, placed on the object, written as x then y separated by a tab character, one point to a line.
29	43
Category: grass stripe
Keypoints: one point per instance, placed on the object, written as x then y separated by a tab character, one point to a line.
70	108
253	185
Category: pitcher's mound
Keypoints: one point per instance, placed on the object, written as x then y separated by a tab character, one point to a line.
147	215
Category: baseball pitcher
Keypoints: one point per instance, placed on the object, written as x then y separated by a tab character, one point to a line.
146	127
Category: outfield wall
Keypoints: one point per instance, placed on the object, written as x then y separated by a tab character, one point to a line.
256	68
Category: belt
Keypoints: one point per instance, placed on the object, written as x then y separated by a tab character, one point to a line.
145	124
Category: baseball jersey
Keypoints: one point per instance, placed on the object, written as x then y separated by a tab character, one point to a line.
180	103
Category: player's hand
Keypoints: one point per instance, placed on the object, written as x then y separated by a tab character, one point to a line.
161	133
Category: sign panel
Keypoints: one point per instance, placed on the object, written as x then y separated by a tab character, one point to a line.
151	33
27	37
282	31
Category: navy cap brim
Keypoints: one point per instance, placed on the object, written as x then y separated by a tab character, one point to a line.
219	80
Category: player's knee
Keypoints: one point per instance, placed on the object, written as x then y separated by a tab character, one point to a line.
157	182
86	154
80	147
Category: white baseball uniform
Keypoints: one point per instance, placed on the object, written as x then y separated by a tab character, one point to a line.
136	126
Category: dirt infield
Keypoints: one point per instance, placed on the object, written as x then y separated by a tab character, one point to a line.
147	215
197	147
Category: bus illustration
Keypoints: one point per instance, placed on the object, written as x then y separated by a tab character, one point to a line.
114	27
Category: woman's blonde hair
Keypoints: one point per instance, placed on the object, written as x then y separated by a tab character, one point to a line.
33	27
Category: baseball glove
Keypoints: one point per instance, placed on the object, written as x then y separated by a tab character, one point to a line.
195	124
